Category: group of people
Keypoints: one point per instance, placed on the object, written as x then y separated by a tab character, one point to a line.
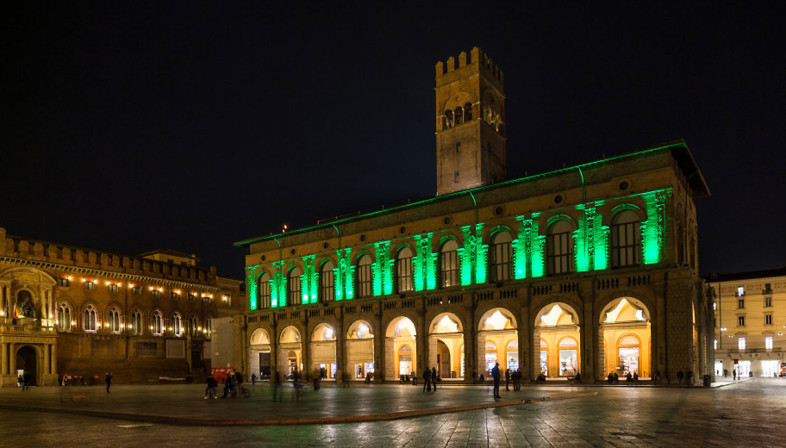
233	385
430	379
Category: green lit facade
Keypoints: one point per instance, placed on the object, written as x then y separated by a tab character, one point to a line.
488	261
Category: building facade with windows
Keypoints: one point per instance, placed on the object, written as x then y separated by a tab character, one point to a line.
66	310
750	322
591	268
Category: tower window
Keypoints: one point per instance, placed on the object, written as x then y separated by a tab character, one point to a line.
448	119
467	112
459	116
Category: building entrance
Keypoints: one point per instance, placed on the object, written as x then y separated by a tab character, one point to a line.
26	365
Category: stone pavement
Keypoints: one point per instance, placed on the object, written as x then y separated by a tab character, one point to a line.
746	413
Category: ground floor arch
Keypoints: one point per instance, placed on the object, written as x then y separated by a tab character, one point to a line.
323	352
556	339
445	342
290	352
498	341
400	348
27	365
259	357
625	338
360	350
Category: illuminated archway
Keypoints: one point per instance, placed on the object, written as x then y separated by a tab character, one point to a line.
446	337
400	334
498	328
626	330
259	354
557	339
323	352
360	350
290	352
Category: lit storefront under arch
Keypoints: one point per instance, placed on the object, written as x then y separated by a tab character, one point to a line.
400	341
360	350
556	324
446	336
626	337
323	351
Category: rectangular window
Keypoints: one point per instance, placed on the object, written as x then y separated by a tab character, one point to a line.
135	290
715	344
625	248
500	262
404	274
364	280
264	294
560	251
740	321
741	344
449	269
63	281
327	287
112	287
740	291
90	286
174	296
741	304
293	290
155	293
768	302
768	319
768	342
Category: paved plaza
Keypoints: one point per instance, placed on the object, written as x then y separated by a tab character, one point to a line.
747	413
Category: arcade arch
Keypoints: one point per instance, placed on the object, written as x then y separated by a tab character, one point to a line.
360	350
626	331
557	340
323	351
497	332
259	354
445	340
400	348
290	352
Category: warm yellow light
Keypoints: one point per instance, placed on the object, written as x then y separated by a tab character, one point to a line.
130	285
2	313
199	328
106	282
73	322
151	327
151	288
106	325
69	277
83	280
119	284
204	331
51	316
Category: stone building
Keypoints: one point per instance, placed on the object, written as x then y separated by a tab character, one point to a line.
750	320
82	312
591	268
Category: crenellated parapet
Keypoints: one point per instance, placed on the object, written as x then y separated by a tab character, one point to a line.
465	65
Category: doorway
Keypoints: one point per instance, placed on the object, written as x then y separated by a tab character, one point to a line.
26	364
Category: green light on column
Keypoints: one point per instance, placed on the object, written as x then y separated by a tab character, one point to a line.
423	263
381	277
343	275
536	243
278	283
251	287
519	246
466	257
481	265
601	237
653	229
581	253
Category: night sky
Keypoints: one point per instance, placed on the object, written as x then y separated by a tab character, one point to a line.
136	126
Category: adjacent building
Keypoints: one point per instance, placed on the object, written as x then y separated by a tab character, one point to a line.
67	310
589	269
750	320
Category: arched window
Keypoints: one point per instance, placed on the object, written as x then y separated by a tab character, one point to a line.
113	321
559	248
157	325
467	112
177	324
193	323
208	330
500	257
625	239
293	286
90	319
448	119
364	276
135	326
448	264
404	276
327	288
64	317
459	116
264	291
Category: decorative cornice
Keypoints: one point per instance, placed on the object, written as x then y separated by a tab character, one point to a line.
109	274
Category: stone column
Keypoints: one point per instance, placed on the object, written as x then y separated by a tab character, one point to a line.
589	340
45	355
525	334
379	348
4	357
340	337
306	349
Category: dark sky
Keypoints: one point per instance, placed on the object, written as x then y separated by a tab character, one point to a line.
192	125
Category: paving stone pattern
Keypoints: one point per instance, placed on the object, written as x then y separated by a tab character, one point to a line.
748	413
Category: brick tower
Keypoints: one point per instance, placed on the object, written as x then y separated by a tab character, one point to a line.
470	123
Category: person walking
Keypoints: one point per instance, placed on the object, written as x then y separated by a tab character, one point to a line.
434	378
496	375
680	376
507	380
276	385
108	381
253	379
427	380
210	389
